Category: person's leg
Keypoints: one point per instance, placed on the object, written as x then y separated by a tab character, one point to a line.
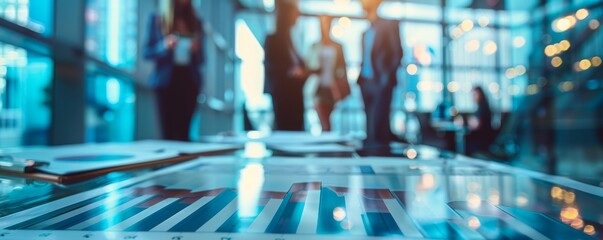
324	108
382	111
189	107
174	109
367	97
185	101
289	108
162	99
280	120
324	111
298	115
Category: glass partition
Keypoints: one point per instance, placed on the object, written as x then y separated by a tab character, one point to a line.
110	108
111	32
25	83
36	15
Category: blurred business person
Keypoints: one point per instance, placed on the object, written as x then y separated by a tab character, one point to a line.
175	44
382	54
481	133
286	72
326	58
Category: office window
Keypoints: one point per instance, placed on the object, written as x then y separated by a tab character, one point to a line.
33	14
110	109
111	32
25	82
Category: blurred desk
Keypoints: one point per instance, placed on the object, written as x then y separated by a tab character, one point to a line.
459	133
246	195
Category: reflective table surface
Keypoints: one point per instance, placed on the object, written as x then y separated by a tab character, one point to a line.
420	193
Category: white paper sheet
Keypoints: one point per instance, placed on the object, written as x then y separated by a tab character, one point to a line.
88	157
182	51
281	138
313	148
181	147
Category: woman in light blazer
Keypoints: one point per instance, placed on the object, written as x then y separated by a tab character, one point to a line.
327	60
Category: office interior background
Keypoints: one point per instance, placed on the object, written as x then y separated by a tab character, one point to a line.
71	71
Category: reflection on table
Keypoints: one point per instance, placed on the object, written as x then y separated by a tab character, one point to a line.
259	194
459	133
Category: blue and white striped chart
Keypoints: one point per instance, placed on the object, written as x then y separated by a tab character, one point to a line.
234	200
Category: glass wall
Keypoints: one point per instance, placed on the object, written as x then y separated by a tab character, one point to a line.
111	32
112	43
110	108
538	62
36	15
480	45
25	82
25	75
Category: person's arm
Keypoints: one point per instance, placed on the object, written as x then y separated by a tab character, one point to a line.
312	58
300	72
341	74
155	45
394	52
268	78
198	47
396	44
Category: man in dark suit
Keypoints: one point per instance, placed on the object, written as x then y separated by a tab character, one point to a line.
382	54
286	72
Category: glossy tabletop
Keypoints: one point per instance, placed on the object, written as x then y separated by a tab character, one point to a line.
246	196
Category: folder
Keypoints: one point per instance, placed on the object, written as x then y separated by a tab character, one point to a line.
76	163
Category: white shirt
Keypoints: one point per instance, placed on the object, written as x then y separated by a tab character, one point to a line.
367	66
328	59
182	51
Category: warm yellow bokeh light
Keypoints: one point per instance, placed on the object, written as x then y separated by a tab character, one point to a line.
577	224
454	86
457	32
520	70
345	21
473	223
412	69
556	62
424	86
569	197
337	31
532	89
494	87
585	64
412	153
550	50
339	214
467	25
566	86
590	230
472	45
557	192
474	200
570	213
490	47
582	14
519	42
483	21
596	61
594	24
562	25
511	73
565	45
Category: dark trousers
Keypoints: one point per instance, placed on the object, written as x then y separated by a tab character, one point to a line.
377	102
288	105
177	102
